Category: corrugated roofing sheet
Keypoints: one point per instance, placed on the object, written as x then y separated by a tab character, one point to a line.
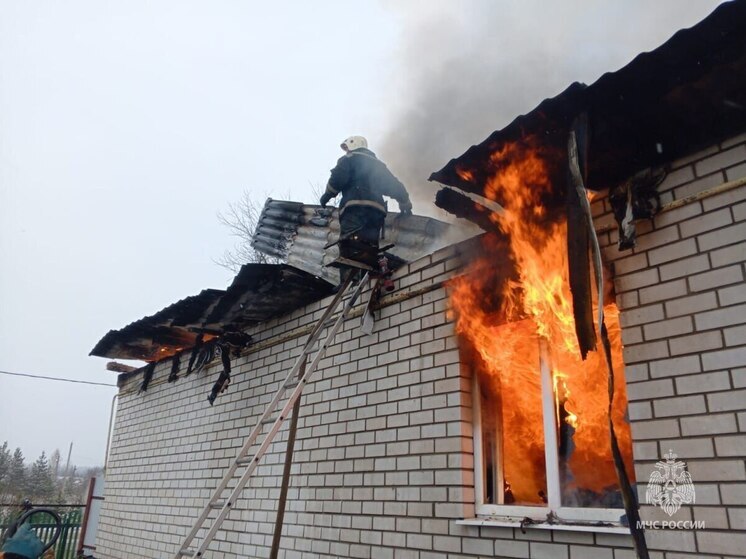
688	93
298	234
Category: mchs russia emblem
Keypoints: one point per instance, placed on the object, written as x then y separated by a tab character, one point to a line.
670	485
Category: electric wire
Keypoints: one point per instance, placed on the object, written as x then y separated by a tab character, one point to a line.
56	378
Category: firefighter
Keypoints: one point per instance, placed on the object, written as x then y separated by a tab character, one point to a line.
363	180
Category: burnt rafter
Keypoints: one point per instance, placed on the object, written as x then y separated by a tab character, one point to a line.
463	206
226	346
205	352
147	376
224	378
175	364
194	353
231	343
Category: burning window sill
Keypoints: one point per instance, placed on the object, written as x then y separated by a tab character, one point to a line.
526	523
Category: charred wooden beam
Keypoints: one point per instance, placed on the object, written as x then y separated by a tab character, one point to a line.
119	367
195	352
147	376
237	341
578	248
461	205
224	379
175	362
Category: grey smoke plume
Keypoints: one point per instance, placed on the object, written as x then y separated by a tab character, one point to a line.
471	67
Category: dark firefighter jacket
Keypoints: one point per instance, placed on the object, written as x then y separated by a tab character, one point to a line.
364	180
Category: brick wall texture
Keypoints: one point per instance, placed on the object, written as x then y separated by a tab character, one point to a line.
383	463
683	301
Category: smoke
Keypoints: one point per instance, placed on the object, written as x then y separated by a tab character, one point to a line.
469	68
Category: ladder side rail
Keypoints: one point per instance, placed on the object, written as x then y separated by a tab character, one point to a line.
329	310
314	336
228	505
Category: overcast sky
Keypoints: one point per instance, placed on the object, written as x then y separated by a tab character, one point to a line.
126	126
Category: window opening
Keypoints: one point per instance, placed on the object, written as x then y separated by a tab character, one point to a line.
541	437
542	429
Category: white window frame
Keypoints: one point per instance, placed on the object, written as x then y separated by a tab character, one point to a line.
551	458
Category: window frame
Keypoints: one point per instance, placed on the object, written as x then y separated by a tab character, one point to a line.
551	458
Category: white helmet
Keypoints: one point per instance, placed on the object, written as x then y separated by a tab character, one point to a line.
354	142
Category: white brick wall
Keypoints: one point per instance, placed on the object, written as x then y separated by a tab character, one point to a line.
683	287
383	461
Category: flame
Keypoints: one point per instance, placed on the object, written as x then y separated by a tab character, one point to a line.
517	294
465	174
562	401
166	351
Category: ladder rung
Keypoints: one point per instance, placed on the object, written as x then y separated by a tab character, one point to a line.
292	384
243	461
187	552
217	505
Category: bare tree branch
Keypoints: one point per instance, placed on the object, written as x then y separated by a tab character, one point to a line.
316	191
241	219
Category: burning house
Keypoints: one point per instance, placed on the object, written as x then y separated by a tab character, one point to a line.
518	386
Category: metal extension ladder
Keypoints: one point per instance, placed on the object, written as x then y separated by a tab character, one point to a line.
248	462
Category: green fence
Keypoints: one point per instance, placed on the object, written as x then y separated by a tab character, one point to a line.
44	526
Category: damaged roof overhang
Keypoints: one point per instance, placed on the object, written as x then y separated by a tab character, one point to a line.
298	234
259	292
170	327
263	291
685	95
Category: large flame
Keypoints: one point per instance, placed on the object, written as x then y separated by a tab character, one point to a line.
533	304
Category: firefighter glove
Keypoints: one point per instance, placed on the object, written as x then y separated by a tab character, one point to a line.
325	197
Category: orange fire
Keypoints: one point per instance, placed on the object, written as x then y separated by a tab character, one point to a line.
465	174
516	299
